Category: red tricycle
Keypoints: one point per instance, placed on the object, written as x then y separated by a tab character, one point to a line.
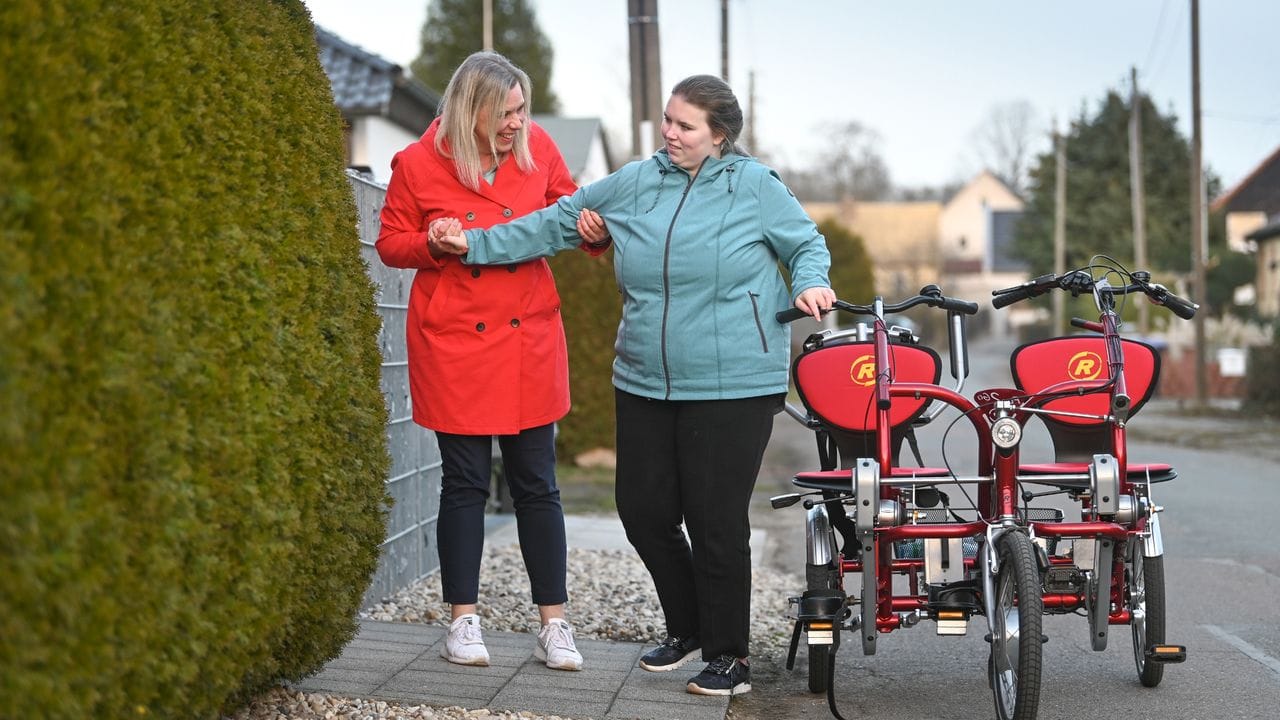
865	391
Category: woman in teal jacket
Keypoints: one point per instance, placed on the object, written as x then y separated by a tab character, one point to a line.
701	367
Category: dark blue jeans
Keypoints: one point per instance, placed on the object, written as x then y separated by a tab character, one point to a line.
529	465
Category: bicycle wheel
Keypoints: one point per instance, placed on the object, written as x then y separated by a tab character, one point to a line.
1015	662
1146	608
821	577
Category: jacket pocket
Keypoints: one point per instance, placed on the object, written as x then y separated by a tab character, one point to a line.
755	312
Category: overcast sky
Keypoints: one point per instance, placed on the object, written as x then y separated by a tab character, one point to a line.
923	75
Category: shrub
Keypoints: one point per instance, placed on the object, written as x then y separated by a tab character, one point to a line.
191	481
590	307
1262	385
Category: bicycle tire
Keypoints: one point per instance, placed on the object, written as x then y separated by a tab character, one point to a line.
1147	611
1016	657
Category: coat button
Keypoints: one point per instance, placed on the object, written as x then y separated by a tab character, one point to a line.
511	268
515	322
506	212
471	216
479	327
475	272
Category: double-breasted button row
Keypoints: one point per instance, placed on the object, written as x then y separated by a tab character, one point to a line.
515	323
471	216
506	212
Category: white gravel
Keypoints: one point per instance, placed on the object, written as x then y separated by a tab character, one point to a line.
611	597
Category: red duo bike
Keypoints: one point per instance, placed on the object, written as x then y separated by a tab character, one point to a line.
865	391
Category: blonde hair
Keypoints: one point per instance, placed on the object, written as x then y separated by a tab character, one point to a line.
481	82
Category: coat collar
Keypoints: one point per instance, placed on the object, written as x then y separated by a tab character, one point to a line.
711	167
507	184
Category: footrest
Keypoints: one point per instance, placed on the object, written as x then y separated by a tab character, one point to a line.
1165	653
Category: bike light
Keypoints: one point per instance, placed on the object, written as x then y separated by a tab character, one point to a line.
1005	433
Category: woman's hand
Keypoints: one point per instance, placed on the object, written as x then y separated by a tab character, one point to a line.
815	301
442	228
592	228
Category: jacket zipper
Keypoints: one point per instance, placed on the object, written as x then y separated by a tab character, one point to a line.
666	281
755	310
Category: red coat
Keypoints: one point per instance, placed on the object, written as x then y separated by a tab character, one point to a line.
486	345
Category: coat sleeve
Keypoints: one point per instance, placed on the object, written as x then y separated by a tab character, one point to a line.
560	183
547	231
793	236
401	241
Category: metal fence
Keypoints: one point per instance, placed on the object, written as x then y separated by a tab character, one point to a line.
409	551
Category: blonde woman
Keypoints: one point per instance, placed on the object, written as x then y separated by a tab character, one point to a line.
487	353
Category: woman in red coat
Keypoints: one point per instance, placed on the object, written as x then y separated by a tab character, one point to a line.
487	353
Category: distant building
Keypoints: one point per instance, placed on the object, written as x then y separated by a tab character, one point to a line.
385	109
1253	222
964	245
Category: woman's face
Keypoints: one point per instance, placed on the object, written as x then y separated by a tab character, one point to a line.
513	118
688	137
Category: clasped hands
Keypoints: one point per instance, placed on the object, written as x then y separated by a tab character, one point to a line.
445	236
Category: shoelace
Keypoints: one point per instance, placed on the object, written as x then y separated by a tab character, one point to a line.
559	635
470	632
721	665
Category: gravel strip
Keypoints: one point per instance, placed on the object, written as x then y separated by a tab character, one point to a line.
611	597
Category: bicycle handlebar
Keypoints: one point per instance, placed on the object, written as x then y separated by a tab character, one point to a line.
1078	281
929	295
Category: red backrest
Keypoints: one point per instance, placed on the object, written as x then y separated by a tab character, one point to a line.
837	382
1039	365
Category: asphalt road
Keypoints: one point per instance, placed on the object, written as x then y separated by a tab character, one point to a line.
1222	565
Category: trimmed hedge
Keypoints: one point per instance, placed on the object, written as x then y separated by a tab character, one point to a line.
590	306
1262	386
191	481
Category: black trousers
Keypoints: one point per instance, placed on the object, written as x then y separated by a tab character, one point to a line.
694	462
529	464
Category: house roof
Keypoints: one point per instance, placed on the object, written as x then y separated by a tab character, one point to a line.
574	137
367	84
895	233
1266	232
1258	192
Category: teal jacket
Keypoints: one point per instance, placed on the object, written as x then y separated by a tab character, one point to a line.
697	265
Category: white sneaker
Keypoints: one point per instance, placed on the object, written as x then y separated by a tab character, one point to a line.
556	648
464	645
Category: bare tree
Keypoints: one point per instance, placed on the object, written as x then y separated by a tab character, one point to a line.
856	168
1003	142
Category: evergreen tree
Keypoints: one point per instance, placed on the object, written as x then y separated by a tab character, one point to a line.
454	29
1099	213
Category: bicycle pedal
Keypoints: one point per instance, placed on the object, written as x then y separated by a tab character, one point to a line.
1166	653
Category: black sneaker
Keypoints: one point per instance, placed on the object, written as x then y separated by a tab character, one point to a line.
671	654
726	675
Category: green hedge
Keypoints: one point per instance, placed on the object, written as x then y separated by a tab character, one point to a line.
1262	386
191	480
591	307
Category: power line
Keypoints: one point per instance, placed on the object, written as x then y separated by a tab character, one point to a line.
1156	37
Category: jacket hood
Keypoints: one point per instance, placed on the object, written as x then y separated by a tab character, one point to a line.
712	167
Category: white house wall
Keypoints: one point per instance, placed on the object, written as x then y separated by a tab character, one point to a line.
966	218
374	141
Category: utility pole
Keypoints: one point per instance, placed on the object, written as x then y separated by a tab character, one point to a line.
1137	194
724	40
646	82
1059	224
1199	239
751	113
487	20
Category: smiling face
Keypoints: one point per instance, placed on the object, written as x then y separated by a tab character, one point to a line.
513	118
689	139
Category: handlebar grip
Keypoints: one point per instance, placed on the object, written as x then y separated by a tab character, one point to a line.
1080	323
790	315
1181	307
960	306
1011	296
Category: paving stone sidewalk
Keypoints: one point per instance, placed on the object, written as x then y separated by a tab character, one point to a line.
400	662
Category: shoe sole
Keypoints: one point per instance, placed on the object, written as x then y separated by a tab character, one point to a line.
569	665
738	689
673	666
474	662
